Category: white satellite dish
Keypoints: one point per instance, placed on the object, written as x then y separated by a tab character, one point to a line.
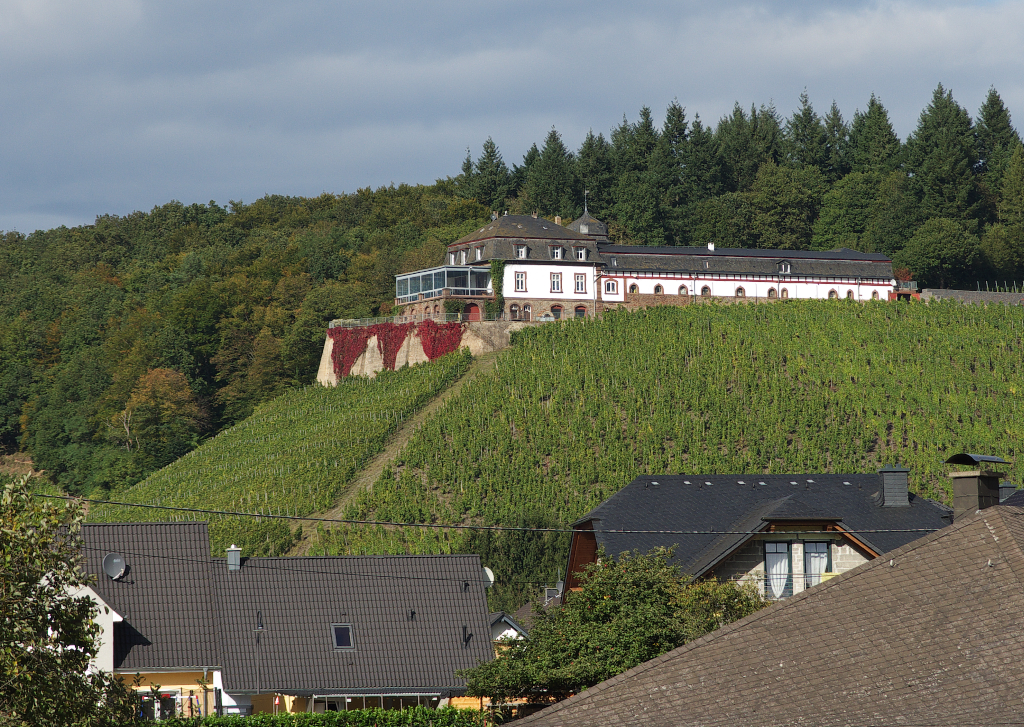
489	575
114	565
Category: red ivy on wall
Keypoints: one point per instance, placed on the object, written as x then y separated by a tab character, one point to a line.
437	340
390	337
349	344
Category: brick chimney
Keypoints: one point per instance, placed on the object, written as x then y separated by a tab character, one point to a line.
895	486
975	489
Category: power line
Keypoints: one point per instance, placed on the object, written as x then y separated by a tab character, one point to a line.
493	528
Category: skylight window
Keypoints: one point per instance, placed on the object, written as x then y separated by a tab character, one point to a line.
342	636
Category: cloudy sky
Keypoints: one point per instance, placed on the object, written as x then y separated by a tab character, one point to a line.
112	106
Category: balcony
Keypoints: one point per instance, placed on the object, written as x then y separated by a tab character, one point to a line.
433	283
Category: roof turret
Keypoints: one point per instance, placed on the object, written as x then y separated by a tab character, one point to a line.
587	225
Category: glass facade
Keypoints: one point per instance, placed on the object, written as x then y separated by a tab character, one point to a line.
430	283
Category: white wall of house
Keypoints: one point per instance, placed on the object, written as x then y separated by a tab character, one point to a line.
231	703
538	281
105	618
753	287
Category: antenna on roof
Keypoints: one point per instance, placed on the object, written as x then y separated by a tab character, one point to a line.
585	193
114	565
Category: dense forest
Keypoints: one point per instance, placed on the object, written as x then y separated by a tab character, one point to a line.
125	343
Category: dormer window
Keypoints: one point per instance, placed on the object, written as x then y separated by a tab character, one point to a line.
479	253
615	262
521	252
465	256
556	253
342	634
581	253
451	258
584	228
784	267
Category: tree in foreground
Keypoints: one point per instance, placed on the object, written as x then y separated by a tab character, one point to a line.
626	612
47	635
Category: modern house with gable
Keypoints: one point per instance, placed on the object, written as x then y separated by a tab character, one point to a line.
785	533
232	635
554	271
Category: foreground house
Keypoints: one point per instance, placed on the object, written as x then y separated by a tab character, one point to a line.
926	634
783	532
236	635
553	272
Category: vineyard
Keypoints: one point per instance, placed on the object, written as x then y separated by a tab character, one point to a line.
574	411
293	456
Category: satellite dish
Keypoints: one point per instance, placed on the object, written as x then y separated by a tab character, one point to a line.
114	565
489	575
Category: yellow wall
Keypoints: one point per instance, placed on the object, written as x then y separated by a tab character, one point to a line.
467	702
265	703
183	682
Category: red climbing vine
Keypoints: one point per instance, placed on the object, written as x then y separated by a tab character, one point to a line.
349	344
437	340
390	337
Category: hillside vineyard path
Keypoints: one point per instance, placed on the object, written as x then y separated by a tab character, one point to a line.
367	476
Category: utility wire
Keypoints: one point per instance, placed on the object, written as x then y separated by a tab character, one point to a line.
493	528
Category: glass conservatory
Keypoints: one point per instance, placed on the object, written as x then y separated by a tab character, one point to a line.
430	283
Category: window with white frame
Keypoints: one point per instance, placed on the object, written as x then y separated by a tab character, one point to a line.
556	253
451	258
817	562
479	253
556	282
521	252
784	267
610	286
777	569
520	282
581	282
342	636
581	253
465	256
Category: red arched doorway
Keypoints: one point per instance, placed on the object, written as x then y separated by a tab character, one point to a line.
472	312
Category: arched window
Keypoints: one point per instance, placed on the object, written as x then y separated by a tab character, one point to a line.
610	286
874	295
658	290
772	293
682	290
634	288
581	311
785	293
556	311
741	293
705	291
527	312
833	295
849	295
513	312
436	310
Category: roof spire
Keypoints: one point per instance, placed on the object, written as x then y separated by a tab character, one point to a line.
585	193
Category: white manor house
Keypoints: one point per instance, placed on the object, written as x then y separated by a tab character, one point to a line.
551	271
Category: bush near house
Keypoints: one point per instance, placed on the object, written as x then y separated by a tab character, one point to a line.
415	717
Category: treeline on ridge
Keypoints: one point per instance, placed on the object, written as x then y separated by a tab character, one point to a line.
947	203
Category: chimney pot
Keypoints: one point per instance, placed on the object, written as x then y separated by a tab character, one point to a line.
974	490
711	246
558	220
234	558
895	486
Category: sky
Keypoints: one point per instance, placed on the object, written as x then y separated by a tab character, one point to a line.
113	106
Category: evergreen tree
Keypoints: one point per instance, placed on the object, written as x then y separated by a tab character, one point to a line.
1011	199
845	212
521	173
492	179
893	217
940	254
549	182
465	183
746	142
997	140
837	145
941	156
641	179
669	165
593	171
785	203
701	177
806	139
874	146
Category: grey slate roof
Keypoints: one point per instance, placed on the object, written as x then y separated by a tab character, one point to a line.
300	598
164	597
720	503
595	228
521	227
928	634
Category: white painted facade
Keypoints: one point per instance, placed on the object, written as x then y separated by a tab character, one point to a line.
533	281
105	618
727	286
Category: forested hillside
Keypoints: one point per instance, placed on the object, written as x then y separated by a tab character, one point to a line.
125	343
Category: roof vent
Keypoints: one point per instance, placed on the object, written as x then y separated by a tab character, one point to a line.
895	486
234	558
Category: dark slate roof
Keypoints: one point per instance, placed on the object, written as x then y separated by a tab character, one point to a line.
508	619
595	228
830	263
164	596
300	598
928	634
710	503
521	227
1015	500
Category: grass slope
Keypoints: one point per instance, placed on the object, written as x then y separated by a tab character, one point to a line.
294	456
575	410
